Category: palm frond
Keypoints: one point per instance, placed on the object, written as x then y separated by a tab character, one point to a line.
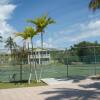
51	21
31	21
94	4
41	22
30	31
23	35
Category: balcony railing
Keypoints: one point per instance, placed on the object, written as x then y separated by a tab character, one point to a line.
41	56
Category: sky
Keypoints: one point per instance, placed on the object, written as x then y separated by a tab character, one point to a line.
75	22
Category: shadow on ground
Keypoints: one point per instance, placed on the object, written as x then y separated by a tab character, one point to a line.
77	78
95	85
71	94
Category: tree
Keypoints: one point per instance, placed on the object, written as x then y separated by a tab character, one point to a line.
25	36
41	23
94	4
10	44
85	51
0	38
29	32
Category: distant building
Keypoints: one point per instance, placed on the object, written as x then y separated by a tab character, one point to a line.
40	56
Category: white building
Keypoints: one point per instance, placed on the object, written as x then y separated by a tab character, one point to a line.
40	56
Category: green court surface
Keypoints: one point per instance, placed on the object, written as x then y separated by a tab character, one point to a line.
49	71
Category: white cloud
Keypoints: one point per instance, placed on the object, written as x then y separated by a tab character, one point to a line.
6	10
89	30
72	34
81	31
76	33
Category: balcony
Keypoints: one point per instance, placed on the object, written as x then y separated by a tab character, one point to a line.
41	56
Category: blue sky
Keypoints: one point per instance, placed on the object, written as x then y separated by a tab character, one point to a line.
74	21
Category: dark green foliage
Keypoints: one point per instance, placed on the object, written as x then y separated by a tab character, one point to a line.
87	51
94	4
57	55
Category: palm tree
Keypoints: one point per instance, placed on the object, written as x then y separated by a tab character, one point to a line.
41	23
94	4
25	36
29	32
0	38
9	44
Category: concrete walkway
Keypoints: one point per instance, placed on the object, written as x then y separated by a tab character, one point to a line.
84	90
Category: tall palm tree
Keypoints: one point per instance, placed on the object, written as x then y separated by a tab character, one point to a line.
41	23
9	44
29	32
25	36
94	4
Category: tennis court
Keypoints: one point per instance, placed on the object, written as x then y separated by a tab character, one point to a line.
49	71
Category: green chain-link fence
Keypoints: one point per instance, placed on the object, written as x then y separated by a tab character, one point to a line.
16	68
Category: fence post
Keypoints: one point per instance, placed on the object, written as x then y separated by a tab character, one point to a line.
67	63
20	71
94	61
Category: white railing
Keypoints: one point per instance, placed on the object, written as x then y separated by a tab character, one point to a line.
41	56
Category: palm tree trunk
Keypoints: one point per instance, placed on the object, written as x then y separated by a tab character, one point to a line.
22	61
33	63
30	76
41	56
30	65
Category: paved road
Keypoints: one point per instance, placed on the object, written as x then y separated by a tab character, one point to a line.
83	90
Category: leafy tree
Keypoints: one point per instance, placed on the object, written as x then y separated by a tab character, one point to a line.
85	50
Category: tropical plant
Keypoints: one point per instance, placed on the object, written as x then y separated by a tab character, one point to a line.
10	44
41	23
29	32
0	38
94	4
25	36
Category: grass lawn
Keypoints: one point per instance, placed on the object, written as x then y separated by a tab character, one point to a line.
5	85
